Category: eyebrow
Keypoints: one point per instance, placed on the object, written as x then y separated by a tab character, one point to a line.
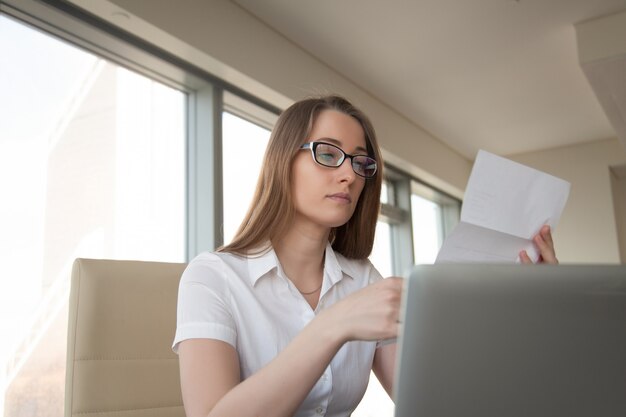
338	143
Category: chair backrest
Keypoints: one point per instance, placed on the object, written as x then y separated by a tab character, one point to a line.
122	320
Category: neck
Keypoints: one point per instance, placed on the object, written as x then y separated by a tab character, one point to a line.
301	255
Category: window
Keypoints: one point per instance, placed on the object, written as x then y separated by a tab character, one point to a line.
382	256
245	133
433	215
92	164
243	146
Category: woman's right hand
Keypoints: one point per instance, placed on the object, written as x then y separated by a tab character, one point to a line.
371	313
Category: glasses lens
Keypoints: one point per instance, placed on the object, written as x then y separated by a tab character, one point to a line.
328	155
364	166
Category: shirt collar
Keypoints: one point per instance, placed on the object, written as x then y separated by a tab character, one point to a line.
259	265
349	267
335	266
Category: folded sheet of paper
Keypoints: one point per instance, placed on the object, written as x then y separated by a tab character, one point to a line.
505	205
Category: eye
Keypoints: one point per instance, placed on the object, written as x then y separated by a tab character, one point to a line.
327	155
364	165
359	163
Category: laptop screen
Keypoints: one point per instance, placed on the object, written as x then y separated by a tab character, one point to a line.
511	340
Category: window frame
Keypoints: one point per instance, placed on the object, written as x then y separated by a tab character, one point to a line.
397	212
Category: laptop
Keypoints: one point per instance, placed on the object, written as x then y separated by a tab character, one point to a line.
512	340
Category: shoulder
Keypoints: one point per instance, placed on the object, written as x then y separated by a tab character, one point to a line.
202	266
214	269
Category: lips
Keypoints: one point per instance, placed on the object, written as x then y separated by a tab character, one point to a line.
341	197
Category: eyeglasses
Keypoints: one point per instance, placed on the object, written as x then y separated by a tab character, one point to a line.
332	156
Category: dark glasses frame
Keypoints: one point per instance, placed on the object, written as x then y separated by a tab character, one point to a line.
368	160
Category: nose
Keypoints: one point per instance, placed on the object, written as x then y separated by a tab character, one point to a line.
346	173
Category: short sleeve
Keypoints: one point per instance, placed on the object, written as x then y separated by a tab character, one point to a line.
204	303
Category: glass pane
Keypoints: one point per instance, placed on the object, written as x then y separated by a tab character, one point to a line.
384	193
92	164
243	146
381	252
427	240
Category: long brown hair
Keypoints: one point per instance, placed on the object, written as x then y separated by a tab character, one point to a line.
272	210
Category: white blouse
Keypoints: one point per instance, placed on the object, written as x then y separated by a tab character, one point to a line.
250	303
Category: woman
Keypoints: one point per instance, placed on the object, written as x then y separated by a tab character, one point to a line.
291	317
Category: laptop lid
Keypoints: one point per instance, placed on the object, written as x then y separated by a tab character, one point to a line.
510	340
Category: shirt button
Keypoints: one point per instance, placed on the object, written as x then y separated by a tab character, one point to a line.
319	410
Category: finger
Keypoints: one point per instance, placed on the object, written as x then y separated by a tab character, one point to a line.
546	234
395	283
523	255
546	250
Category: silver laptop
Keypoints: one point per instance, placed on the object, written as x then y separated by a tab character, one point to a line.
495	340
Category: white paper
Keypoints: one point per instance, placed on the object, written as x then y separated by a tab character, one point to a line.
505	205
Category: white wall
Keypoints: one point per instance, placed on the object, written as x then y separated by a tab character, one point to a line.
229	42
587	232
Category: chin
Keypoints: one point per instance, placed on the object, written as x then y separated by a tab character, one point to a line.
331	221
338	223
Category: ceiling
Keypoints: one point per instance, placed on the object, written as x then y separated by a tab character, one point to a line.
499	75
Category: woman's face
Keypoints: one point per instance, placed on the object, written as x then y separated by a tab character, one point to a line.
326	196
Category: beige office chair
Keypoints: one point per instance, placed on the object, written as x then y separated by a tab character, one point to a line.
122	319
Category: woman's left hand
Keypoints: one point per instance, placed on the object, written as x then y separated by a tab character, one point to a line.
543	241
